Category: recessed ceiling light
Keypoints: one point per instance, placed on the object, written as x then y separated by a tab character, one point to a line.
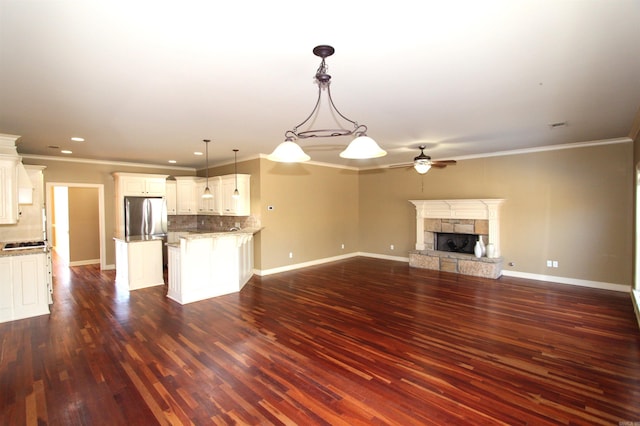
66	151
197	153
76	139
173	161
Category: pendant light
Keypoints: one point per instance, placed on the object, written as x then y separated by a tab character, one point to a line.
236	193
361	147
207	192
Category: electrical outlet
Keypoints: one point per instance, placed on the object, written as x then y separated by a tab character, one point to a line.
555	263
290	255
392	247
342	246
549	263
237	224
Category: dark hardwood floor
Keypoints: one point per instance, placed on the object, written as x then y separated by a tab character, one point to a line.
361	341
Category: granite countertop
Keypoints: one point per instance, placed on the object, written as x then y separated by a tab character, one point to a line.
22	252
199	234
192	235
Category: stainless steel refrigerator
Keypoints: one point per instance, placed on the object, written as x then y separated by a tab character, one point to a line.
146	216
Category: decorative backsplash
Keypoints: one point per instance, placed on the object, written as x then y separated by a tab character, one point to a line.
211	223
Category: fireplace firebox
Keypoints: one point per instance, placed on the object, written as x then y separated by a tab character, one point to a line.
454	242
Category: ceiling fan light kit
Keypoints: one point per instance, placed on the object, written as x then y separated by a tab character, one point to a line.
362	147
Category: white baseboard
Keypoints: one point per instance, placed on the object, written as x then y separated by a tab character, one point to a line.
302	265
570	281
384	256
635	298
84	262
516	274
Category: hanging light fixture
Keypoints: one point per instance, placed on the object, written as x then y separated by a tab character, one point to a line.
236	193
422	163
361	147
207	192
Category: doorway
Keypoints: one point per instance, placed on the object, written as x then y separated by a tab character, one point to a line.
75	222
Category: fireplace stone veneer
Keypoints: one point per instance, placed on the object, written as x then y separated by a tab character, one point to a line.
479	213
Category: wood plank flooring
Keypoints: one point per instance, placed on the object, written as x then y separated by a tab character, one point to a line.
360	342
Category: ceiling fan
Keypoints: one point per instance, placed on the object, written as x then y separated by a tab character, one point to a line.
422	163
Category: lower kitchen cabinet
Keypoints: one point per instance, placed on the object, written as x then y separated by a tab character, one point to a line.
202	266
139	263
24	287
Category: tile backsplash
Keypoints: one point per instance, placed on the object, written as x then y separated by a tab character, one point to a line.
211	223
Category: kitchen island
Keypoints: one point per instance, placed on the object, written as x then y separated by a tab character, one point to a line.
139	261
209	264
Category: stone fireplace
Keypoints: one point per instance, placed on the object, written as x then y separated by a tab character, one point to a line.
447	230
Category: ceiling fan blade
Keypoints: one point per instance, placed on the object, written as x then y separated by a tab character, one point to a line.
445	162
438	165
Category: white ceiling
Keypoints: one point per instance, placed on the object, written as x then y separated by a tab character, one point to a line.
146	81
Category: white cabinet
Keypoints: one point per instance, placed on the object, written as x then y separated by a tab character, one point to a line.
205	266
8	189
209	205
139	263
24	290
172	206
135	184
240	206
141	184
186	202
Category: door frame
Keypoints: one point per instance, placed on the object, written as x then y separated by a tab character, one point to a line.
100	188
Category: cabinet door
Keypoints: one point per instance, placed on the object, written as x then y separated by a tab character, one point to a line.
209	205
156	187
143	186
171	197
185	197
133	186
8	191
29	286
6	289
240	206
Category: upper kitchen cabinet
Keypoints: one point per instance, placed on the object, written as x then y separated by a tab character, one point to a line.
13	180
209	205
240	206
135	184
145	185
9	189
186	187
172	206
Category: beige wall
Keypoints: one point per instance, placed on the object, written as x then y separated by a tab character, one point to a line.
84	225
315	211
574	206
96	173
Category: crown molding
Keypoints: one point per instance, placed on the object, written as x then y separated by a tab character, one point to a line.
105	162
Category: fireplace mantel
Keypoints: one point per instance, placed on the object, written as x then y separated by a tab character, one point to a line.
487	209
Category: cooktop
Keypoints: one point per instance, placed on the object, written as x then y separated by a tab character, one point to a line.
24	245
